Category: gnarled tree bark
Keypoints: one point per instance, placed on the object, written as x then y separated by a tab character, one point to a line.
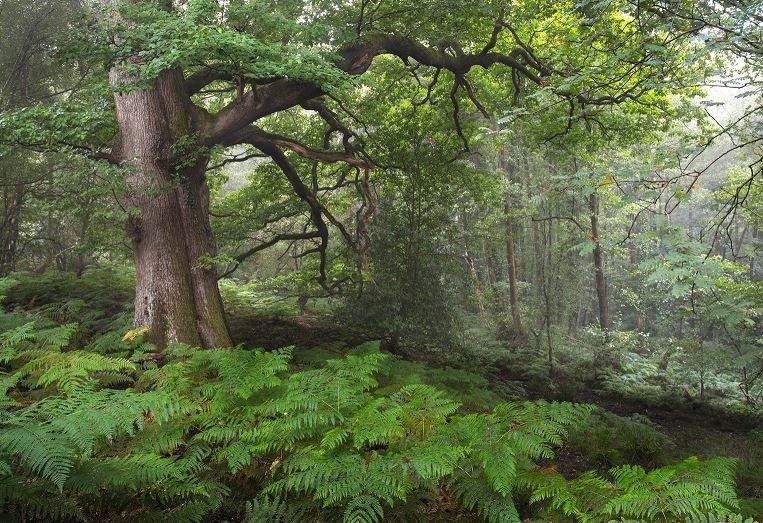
176	293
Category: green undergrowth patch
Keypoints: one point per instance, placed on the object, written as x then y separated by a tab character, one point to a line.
607	440
264	436
471	389
94	427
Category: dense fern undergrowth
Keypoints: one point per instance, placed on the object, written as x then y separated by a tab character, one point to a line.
98	426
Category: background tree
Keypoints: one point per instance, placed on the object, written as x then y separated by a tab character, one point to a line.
162	58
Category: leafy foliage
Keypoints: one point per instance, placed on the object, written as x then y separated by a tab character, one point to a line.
181	437
209	430
686	491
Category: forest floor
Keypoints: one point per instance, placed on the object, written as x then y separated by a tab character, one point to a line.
305	331
694	428
309	331
676	419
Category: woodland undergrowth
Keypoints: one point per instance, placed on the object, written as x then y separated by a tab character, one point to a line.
98	426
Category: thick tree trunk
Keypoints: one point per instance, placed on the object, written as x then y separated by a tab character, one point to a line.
176	293
598	264
200	245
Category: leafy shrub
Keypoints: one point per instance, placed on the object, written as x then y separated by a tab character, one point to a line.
261	299
689	491
608	440
192	435
212	428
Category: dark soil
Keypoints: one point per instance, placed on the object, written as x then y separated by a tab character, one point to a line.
306	331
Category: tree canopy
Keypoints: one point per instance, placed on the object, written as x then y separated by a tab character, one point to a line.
371	260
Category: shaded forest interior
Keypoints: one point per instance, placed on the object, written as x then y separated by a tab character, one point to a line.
381	260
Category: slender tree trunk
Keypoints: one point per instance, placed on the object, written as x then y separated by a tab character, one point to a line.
740	241
577	311
10	229
511	259
542	248
472	269
511	262
81	261
598	264
487	252
176	292
49	246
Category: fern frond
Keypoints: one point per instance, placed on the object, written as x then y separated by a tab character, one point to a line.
363	509
40	450
71	371
275	510
25	500
477	496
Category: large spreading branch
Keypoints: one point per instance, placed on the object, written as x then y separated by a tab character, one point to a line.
255	99
253	134
263	100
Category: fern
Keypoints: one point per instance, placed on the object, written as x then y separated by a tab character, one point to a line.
11	341
721	518
479	498
363	509
40	450
49	436
275	510
687	491
196	436
33	500
518	433
75	370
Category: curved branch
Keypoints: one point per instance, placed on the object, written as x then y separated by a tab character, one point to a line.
253	135
264	245
202	78
304	194
355	59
